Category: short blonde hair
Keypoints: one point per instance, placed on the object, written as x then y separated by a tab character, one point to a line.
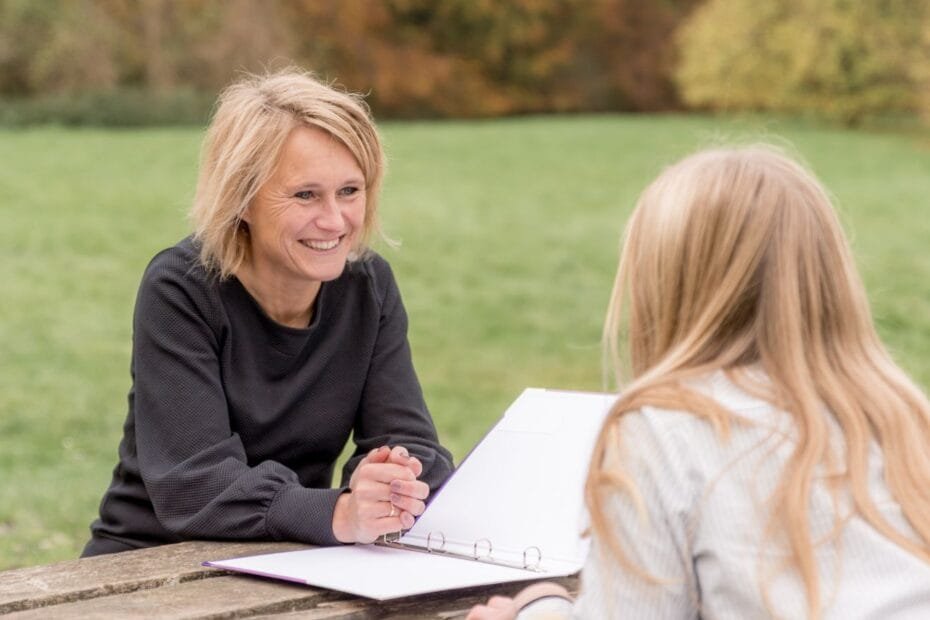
252	121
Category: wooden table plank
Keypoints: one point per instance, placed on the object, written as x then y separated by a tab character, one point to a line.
239	596
169	582
219	597
75	580
437	606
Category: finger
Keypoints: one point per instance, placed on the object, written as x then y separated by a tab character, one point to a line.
406	520
500	602
401	456
369	492
411	488
384	472
413	506
478	612
415	466
498	608
373	527
376	455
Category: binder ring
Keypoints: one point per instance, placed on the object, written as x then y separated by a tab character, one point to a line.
429	539
475	549
533	565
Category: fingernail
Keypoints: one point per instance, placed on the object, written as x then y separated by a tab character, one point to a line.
395	498
403	452
396	485
406	519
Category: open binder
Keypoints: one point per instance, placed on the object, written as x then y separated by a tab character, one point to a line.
512	511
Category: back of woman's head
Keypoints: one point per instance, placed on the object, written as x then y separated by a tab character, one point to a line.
734	258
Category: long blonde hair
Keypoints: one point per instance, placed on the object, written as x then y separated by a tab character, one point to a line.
253	119
735	257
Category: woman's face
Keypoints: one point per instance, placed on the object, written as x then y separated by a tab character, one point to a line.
306	217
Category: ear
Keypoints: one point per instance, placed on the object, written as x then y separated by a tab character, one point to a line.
246	215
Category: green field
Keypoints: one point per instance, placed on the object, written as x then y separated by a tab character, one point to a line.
509	235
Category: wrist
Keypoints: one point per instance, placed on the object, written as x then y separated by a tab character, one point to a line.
342	522
539	591
547	607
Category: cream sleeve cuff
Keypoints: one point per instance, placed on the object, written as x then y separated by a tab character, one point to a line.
547	608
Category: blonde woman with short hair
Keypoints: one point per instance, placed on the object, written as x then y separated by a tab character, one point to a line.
767	458
266	338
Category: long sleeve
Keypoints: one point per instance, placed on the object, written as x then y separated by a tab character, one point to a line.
235	422
392	410
658	544
194	466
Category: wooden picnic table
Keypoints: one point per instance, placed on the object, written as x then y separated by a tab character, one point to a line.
169	582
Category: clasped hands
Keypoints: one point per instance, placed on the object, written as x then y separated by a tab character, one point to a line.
384	496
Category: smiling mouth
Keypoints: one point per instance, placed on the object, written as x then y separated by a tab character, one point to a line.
322	246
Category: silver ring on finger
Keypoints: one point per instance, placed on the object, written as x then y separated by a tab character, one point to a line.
393	511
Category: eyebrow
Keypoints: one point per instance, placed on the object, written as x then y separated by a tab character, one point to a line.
315	184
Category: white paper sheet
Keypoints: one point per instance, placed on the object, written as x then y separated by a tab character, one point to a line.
522	486
375	572
520	489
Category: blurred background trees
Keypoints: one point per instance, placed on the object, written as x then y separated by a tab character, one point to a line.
137	61
840	59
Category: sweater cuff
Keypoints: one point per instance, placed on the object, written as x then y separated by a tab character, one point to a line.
548	607
303	515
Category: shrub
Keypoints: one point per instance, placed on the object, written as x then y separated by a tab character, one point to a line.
114	108
841	60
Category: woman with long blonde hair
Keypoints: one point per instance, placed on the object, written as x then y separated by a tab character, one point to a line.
767	457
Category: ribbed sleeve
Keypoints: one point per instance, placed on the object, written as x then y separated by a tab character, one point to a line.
391	411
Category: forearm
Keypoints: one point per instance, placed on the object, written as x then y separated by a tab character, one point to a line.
220	496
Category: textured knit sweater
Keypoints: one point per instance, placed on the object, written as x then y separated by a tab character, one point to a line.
705	503
235	421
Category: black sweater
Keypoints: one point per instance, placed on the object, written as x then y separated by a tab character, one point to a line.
235	421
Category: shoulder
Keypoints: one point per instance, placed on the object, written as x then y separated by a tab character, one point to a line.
180	262
374	273
741	404
691	448
176	278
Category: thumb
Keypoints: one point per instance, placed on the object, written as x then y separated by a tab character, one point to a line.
378	455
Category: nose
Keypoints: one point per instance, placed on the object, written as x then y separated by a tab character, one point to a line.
330	218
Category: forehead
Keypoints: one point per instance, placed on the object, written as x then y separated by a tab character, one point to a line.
317	153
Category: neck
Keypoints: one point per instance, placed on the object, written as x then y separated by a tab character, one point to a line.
284	302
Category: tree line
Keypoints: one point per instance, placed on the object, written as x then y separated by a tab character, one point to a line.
841	59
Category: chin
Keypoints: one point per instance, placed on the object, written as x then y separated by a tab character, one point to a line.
325	275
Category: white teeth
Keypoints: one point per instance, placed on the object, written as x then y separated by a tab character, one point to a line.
321	245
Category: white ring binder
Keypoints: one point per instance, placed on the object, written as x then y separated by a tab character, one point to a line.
532	556
429	538
475	549
538	561
455	528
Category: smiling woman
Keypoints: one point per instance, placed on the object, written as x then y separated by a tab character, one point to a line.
302	225
262	341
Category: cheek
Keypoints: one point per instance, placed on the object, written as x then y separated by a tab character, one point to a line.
356	215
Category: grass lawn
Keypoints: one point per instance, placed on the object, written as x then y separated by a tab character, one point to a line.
509	235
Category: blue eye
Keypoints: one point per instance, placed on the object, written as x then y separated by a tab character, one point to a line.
304	195
348	191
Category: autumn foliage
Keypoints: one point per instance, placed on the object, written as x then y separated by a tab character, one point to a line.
150	61
413	57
